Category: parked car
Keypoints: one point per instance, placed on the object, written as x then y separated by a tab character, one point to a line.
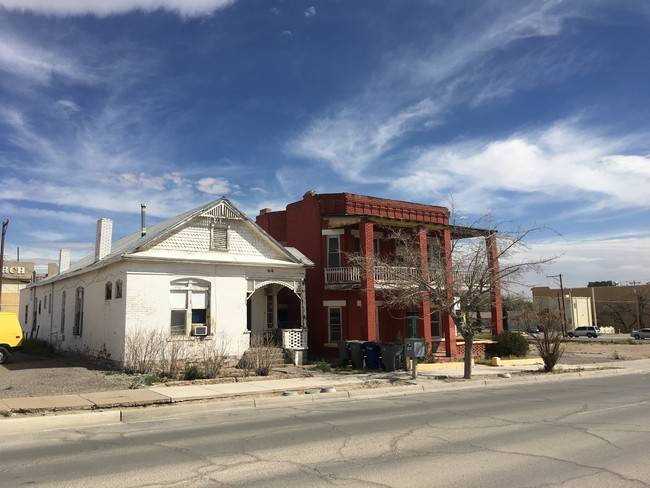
11	335
589	331
533	329
640	334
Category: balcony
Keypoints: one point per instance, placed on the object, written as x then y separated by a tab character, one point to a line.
350	277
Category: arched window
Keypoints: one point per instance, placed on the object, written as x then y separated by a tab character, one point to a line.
78	312
108	291
189	307
118	289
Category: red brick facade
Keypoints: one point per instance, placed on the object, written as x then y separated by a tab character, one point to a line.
344	306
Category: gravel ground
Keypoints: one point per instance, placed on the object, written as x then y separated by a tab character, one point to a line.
24	375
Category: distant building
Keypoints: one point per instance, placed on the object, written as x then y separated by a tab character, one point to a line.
15	277
209	274
622	307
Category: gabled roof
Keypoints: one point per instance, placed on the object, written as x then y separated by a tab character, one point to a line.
133	243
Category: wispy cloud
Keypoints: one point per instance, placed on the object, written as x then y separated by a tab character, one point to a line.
184	8
420	85
310	12
562	162
215	186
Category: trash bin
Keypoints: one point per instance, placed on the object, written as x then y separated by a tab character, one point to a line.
356	353
373	353
391	355
344	352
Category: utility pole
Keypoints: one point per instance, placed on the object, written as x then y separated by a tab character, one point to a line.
563	301
5	224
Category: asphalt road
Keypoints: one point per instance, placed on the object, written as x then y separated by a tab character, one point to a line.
573	433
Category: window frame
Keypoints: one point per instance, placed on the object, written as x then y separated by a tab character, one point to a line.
189	287
108	291
331	337
77	329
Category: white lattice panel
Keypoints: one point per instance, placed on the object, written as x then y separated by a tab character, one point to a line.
294	338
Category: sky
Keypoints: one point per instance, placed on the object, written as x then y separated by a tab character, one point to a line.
535	112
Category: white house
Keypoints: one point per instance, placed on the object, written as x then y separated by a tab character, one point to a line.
206	275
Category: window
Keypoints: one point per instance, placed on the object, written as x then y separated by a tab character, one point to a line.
78	312
218	237
357	246
188	306
62	312
45	304
333	252
412	322
335	323
40	303
118	289
108	291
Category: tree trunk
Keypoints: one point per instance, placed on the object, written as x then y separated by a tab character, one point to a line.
469	342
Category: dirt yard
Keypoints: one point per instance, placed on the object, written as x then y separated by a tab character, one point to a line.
24	375
577	351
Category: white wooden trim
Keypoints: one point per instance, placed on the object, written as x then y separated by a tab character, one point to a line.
334	303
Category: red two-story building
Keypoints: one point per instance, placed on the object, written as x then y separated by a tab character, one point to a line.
345	304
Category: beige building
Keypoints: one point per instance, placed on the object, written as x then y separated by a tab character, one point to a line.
623	307
15	276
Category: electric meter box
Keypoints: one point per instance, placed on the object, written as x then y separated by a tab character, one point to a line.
414	348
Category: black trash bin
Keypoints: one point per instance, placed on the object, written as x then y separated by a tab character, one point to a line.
344	353
373	354
356	353
391	356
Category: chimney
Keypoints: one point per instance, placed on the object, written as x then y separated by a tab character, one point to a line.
143	218
265	211
103	238
64	260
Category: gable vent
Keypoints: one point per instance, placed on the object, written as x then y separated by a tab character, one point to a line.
222	211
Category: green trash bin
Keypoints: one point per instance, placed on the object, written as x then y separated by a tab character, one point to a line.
344	352
391	356
356	353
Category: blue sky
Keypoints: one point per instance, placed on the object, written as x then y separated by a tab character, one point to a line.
534	111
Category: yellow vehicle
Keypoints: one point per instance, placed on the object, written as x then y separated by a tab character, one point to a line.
11	335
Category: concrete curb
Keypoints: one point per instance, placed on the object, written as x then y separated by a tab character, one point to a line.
86	419
170	408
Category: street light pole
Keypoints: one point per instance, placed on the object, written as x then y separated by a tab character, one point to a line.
563	301
5	224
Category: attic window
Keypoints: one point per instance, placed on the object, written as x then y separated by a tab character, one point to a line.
218	237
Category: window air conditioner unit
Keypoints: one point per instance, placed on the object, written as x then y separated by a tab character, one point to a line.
200	330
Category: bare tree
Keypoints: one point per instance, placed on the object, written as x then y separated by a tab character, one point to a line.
484	260
550	340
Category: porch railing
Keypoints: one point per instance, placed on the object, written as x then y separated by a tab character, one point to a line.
352	274
294	338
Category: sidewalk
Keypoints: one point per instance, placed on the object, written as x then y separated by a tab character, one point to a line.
115	406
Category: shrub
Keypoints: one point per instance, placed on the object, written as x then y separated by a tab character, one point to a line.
323	366
510	344
192	373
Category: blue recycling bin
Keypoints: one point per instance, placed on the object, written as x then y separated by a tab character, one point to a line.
391	355
372	352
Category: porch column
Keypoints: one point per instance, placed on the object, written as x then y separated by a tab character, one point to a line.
425	304
446	321
368	315
495	290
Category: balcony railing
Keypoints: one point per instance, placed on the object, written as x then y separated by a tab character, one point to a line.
352	274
